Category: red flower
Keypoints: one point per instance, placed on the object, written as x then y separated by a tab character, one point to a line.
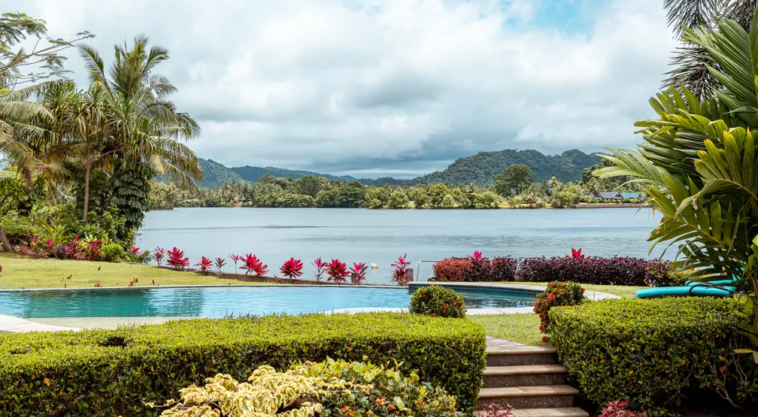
292	268
434	315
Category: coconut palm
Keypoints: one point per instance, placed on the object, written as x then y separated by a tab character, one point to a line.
690	59
700	162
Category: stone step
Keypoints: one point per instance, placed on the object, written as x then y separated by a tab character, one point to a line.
524	375
544	396
544	412
521	355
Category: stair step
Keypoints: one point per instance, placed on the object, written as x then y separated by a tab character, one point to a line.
542	396
521	355
544	412
524	375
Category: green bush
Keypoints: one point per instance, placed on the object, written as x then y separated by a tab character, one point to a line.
556	294
111	252
18	229
111	372
654	352
436	301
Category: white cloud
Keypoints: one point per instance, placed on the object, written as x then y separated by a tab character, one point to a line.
322	85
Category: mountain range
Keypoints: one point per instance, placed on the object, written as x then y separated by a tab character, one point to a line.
479	169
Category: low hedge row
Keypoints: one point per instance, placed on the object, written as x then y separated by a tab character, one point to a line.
616	270
112	372
654	352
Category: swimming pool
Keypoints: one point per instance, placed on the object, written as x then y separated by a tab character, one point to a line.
221	301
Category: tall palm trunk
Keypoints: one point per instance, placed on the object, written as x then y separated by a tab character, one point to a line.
6	244
87	169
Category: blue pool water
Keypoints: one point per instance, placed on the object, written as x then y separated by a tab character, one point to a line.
219	301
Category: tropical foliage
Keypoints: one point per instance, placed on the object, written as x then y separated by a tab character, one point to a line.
96	146
699	161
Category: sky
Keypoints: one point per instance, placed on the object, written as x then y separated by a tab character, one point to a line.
389	88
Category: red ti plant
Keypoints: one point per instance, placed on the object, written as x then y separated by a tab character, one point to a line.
134	250
477	256
205	264
177	260
320	266
401	267
235	259
252	265
292	268
159	254
577	254
358	272
337	271
220	262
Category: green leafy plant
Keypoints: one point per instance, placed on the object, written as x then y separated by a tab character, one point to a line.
699	161
437	301
655	352
111	372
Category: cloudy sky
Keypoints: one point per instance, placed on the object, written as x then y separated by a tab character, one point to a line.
396	87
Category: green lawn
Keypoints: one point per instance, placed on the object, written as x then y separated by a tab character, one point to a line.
20	272
524	328
519	328
621	291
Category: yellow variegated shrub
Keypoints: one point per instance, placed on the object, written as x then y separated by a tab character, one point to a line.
331	388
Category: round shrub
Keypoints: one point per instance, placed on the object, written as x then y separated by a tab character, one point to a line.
655	352
111	252
452	270
556	294
437	301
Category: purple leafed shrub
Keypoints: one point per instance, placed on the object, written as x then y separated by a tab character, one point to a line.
503	269
615	270
480	270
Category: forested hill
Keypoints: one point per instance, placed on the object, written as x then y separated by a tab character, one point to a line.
479	169
215	174
482	168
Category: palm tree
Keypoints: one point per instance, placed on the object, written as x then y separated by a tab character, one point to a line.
690	59
145	127
700	162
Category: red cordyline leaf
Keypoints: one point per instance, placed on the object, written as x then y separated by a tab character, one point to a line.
251	264
358	272
176	259
319	265
204	264
293	268
401	267
220	262
135	249
477	255
337	271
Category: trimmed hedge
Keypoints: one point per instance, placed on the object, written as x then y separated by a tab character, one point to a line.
111	372
616	270
654	352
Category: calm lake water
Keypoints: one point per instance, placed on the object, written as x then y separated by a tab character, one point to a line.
380	236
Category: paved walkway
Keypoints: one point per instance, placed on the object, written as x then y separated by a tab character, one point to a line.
17	325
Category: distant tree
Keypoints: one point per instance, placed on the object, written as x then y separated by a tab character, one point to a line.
515	178
267	179
398	200
419	197
307	185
